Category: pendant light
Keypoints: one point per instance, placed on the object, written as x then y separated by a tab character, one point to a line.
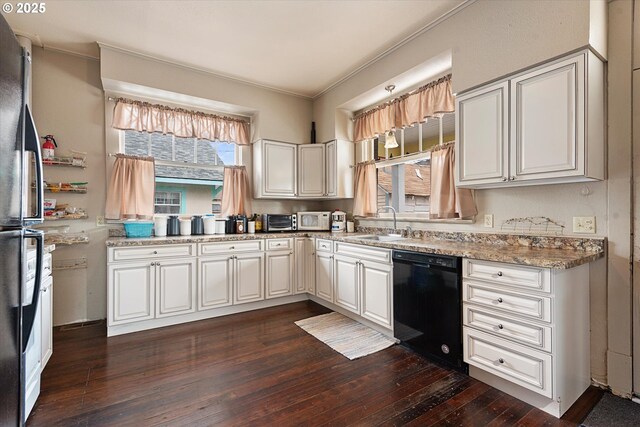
390	137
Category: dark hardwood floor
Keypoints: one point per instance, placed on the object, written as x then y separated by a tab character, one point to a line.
258	368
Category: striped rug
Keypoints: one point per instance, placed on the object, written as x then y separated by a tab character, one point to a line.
345	335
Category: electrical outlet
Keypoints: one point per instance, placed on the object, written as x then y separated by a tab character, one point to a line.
488	220
584	224
100	221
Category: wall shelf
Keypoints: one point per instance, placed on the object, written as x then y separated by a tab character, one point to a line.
70	264
64	187
65	218
66	239
76	162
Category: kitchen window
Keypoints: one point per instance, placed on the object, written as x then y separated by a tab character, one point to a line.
168	202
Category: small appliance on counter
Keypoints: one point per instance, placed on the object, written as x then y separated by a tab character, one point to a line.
314	221
338	221
278	222
197	225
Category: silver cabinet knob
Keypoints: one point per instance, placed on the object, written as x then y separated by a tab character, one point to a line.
152	264
501	360
232	247
504	178
500	326
512	178
155	252
157	263
499	273
499	299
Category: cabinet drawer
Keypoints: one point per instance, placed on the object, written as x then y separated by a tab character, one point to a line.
279	244
532	306
230	247
151	252
531	278
516	363
538	336
324	245
364	252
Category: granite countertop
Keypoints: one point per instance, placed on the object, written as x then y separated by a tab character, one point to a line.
49	248
559	254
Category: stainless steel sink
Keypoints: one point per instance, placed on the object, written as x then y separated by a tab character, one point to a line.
382	237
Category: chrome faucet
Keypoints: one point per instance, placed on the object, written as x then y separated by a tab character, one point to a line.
395	223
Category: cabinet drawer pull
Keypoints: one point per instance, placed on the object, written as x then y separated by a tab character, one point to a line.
152	264
157	263
504	178
501	360
500	326
499	273
499	300
232	247
155	252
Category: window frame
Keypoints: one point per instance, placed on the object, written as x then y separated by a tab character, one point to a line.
170	189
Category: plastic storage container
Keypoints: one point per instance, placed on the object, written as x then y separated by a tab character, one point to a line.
138	229
185	227
160	226
209	225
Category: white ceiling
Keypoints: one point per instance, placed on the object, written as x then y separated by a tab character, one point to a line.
301	47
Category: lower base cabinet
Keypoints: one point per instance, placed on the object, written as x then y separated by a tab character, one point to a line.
132	292
324	275
248	278
175	287
347	283
215	284
280	280
376	284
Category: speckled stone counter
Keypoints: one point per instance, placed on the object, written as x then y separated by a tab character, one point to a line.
49	248
551	252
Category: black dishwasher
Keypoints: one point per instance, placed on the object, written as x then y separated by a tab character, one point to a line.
427	306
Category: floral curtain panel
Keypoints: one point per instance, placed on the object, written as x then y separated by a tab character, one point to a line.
146	117
430	100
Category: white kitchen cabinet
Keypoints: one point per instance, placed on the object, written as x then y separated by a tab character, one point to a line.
46	314
542	126
300	284
346	283
248	278
526	331
176	287
311	170
215	277
131	292
279	273
310	265
324	275
339	169
376	286
274	169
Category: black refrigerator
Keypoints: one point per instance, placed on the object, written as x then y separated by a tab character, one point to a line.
19	150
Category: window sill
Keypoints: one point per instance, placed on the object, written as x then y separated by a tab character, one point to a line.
419	219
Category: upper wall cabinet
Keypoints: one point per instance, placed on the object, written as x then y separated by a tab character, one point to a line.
274	169
316	171
542	126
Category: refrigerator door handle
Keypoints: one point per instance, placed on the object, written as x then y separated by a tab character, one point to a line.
32	143
29	310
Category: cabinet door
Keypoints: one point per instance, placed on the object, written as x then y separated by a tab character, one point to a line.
279	273
300	285
331	156
310	265
248	278
215	282
547	111
376	284
46	314
324	275
176	293
279	169
346	283
311	170
131	292
482	130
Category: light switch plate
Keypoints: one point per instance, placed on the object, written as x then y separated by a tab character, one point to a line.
584	224
488	220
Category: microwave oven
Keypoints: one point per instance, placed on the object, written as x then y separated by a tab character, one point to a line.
278	222
314	221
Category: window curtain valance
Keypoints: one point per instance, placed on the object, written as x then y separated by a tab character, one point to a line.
146	117
428	101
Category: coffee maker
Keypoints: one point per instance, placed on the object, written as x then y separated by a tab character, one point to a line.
338	221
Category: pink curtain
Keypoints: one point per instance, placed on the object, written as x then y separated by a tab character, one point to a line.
142	116
448	201
131	189
365	191
236	193
430	100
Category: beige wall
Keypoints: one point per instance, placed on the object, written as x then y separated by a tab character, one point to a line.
68	103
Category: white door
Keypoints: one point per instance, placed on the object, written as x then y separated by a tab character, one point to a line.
300	285
547	113
215	280
248	278
482	131
346	283
279	273
176	293
324	275
279	169
131	292
376	284
331	156
46	314
311	170
310	265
